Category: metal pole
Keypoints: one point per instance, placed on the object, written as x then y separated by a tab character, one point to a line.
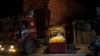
74	33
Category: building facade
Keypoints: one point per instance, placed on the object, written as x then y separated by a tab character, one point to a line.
60	12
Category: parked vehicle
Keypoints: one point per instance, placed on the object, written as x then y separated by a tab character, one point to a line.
24	34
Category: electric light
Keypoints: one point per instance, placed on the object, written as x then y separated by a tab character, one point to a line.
12	46
2	49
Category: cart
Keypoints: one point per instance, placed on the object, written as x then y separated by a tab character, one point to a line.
57	39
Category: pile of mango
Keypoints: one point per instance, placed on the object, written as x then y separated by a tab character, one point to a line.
56	39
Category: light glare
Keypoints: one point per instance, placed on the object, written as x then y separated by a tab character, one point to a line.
2	49
12	46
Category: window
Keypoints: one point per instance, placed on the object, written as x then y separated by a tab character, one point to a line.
23	24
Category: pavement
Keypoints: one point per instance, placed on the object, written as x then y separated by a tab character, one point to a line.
80	50
41	50
82	54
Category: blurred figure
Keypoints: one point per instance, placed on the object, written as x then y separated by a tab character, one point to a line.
95	46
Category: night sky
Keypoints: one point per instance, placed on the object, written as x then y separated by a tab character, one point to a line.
10	7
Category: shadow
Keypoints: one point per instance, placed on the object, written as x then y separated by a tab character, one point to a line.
71	49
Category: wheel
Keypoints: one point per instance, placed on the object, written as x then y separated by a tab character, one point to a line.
29	47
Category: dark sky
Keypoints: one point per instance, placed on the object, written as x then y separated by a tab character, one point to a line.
10	7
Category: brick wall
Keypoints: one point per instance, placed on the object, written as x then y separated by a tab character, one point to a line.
33	4
62	10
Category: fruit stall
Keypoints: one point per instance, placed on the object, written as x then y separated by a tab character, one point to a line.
57	39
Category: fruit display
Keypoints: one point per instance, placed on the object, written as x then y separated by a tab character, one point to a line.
56	34
57	39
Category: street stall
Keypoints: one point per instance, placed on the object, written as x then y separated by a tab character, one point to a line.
57	40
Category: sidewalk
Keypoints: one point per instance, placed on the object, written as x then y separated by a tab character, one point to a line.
82	54
83	49
71	50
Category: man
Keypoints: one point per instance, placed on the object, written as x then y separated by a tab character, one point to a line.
95	46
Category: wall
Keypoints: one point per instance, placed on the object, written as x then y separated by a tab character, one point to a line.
34	4
62	10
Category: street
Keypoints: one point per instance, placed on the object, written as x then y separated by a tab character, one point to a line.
42	52
82	54
78	54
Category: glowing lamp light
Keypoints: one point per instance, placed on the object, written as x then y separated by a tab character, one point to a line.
2	49
12	46
13	50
